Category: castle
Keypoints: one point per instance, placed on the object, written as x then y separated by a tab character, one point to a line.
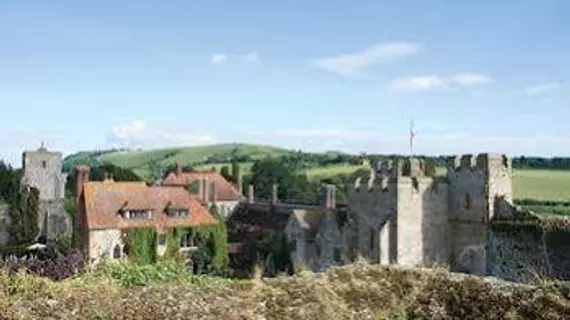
404	215
42	169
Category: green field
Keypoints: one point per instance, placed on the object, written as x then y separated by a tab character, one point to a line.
527	184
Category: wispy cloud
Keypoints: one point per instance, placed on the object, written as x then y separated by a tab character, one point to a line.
541	88
354	63
433	82
220	58
139	135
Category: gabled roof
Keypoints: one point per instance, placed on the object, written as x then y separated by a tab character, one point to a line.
225	191
104	200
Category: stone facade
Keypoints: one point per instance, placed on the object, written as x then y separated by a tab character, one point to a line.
42	169
409	218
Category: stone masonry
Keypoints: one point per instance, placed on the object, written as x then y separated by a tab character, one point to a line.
42	169
408	218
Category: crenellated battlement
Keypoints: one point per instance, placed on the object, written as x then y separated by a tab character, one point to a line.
483	161
404	167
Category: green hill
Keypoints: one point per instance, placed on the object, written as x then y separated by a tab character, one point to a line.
142	162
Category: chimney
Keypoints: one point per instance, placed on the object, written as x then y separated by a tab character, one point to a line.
205	190
250	196
213	192
239	180
82	176
274	193
111	177
330	197
105	176
178	168
327	196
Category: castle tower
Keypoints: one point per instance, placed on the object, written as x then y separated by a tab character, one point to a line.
477	187
42	170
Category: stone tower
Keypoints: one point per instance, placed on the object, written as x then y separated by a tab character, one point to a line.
477	187
42	169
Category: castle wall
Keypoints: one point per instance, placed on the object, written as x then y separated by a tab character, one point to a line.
527	253
329	240
374	204
422	222
54	220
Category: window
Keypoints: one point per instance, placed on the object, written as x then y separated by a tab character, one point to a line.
182	213
336	255
137	214
372	239
467	201
117	252
186	240
44	164
161	239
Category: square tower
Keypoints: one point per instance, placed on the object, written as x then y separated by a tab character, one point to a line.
42	170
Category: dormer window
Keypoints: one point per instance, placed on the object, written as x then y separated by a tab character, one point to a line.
137	214
177	213
186	241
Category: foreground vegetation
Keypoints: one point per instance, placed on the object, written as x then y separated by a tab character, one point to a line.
360	291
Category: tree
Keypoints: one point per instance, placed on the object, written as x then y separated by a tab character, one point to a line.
24	216
292	186
225	172
97	174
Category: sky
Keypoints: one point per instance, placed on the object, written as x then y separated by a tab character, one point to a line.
474	76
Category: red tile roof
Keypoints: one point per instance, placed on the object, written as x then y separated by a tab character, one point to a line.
225	191
104	200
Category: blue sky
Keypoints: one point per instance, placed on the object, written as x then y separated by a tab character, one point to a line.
474	75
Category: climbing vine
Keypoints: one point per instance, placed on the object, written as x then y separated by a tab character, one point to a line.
141	245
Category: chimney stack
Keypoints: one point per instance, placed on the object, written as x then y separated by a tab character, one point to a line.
178	168
205	190
81	177
213	192
250	196
239	180
330	197
274	193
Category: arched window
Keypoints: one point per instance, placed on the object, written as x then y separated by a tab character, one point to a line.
117	252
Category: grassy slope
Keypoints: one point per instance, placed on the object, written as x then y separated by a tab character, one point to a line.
533	184
359	291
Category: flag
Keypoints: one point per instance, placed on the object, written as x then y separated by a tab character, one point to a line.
412	134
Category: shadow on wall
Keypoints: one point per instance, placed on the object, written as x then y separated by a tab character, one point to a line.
435	225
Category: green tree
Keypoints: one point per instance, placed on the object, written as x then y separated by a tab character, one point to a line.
225	172
24	216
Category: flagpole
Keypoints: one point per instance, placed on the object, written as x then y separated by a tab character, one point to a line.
411	137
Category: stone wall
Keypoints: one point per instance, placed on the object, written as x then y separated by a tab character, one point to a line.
102	243
525	251
55	219
43	170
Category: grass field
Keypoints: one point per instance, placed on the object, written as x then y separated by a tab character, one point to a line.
527	184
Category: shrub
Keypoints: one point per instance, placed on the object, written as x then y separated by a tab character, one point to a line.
56	267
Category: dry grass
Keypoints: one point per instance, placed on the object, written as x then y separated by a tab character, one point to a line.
360	291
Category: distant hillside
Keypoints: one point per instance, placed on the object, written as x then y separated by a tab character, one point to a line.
143	162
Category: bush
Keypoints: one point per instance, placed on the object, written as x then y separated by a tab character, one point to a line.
56	267
130	274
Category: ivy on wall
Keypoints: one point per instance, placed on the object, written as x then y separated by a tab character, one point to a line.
141	245
275	251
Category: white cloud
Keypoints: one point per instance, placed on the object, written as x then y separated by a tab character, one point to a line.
250	57
352	64
470	79
219	58
541	88
433	82
139	135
